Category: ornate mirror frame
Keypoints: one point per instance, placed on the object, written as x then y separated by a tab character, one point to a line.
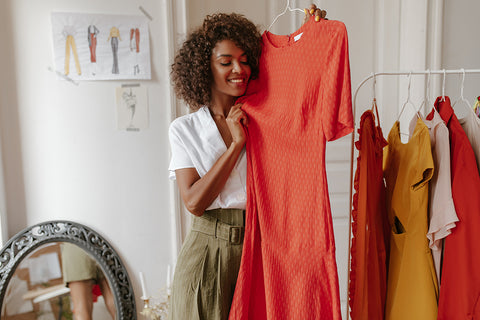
24	242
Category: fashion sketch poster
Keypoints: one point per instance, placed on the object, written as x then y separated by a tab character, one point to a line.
100	46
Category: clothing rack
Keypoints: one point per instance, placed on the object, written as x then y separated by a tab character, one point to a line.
443	72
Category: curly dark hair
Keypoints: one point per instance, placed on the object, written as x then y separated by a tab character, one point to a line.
191	72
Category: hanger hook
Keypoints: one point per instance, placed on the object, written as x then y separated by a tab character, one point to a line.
374	86
443	85
463	84
289	8
409	85
428	84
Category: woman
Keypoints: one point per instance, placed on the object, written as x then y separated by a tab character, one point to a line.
210	72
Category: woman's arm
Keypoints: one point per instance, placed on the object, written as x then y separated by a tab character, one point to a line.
199	193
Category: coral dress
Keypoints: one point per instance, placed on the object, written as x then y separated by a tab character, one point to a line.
301	100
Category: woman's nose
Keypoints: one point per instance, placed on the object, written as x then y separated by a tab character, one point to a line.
237	68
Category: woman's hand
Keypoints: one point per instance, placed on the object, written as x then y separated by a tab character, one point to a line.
236	120
197	192
314	11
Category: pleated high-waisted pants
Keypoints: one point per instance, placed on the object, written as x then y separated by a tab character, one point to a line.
207	266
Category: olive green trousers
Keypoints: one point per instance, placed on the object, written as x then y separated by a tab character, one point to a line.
207	266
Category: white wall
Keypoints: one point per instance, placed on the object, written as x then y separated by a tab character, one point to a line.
461	48
63	157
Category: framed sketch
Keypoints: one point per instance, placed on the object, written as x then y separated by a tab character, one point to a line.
101	47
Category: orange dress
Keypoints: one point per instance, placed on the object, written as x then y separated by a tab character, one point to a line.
301	100
370	229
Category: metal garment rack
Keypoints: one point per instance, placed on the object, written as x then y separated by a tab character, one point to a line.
443	72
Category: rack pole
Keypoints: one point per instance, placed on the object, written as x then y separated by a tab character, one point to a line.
371	76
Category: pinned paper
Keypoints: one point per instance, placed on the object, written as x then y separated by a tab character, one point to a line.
132	108
101	46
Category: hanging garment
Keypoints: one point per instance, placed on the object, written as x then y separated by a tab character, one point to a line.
471	126
460	291
370	229
301	99
442	215
412	284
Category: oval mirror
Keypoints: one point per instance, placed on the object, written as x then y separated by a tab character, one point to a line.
49	270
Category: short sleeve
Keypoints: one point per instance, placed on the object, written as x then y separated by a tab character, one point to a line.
180	157
337	119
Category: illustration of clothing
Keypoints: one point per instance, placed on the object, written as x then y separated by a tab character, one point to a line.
135	47
135	39
69	33
92	41
130	100
115	36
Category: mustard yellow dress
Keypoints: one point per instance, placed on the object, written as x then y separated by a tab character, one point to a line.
412	287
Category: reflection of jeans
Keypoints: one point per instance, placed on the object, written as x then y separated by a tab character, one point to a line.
71	43
115	57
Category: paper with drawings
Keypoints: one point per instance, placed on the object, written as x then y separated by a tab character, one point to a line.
100	46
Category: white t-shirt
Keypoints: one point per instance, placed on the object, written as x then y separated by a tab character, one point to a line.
196	143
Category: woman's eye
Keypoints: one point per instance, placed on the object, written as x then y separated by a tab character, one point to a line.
225	64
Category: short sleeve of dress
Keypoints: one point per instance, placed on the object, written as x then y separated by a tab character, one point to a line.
180	158
336	100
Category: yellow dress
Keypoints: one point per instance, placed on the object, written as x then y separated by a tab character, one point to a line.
412	287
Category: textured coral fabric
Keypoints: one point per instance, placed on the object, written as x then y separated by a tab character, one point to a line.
370	228
301	99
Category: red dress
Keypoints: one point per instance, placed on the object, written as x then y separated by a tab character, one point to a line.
460	280
370	228
301	99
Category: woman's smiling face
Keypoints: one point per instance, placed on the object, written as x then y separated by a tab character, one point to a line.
230	69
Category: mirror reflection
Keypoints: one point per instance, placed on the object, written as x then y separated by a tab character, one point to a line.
58	280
